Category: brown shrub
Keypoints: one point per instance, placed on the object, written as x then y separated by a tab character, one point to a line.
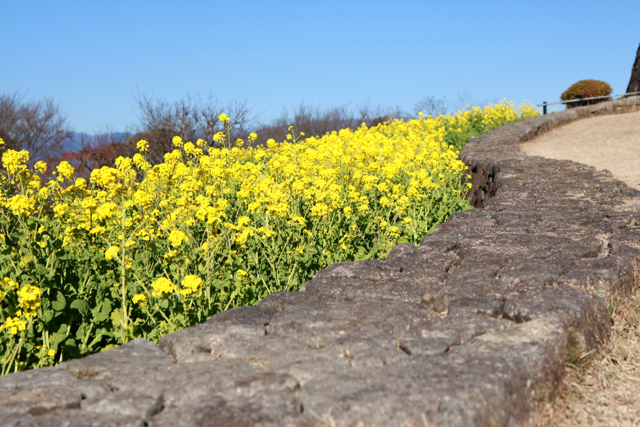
586	89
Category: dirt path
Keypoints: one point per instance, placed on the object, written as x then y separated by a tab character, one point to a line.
603	390
606	142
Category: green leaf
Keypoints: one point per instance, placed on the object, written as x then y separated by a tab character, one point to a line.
117	318
41	270
47	316
81	305
375	249
58	337
98	337
362	253
71	348
102	312
28	345
60	302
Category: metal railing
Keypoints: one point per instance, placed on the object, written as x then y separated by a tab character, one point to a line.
545	103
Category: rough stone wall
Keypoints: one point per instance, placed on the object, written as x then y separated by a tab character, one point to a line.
471	328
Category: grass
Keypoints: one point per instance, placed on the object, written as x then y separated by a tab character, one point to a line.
603	389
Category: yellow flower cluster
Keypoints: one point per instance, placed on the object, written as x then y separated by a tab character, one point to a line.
112	252
211	228
139	298
143	146
28	302
191	285
213	194
162	287
177	237
15	161
6	286
13	325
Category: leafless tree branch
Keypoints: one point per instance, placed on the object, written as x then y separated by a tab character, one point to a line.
38	127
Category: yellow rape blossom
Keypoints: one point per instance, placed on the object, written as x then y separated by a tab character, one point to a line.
21	204
65	171
177	237
300	220
218	137
14	161
40	166
162	287
191	284
111	253
13	325
139	298
243	221
29	299
6	286
142	146
8	283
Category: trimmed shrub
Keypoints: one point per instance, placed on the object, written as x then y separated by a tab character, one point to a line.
586	89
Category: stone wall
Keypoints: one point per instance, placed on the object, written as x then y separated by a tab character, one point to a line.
471	328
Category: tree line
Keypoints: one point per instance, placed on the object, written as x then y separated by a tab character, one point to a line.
40	127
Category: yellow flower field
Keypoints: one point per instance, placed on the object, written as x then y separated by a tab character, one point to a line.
143	250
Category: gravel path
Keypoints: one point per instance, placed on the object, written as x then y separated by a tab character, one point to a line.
607	142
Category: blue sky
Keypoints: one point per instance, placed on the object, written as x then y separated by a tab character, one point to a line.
94	57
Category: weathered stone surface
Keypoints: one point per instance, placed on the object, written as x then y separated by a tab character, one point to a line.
80	418
483	384
471	328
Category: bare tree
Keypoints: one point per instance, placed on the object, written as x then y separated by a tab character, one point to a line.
372	116
38	127
315	121
463	102
190	119
466	100
431	106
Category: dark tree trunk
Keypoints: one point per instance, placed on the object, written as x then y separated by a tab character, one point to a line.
634	82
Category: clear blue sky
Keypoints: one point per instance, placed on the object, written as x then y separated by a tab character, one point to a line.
93	57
